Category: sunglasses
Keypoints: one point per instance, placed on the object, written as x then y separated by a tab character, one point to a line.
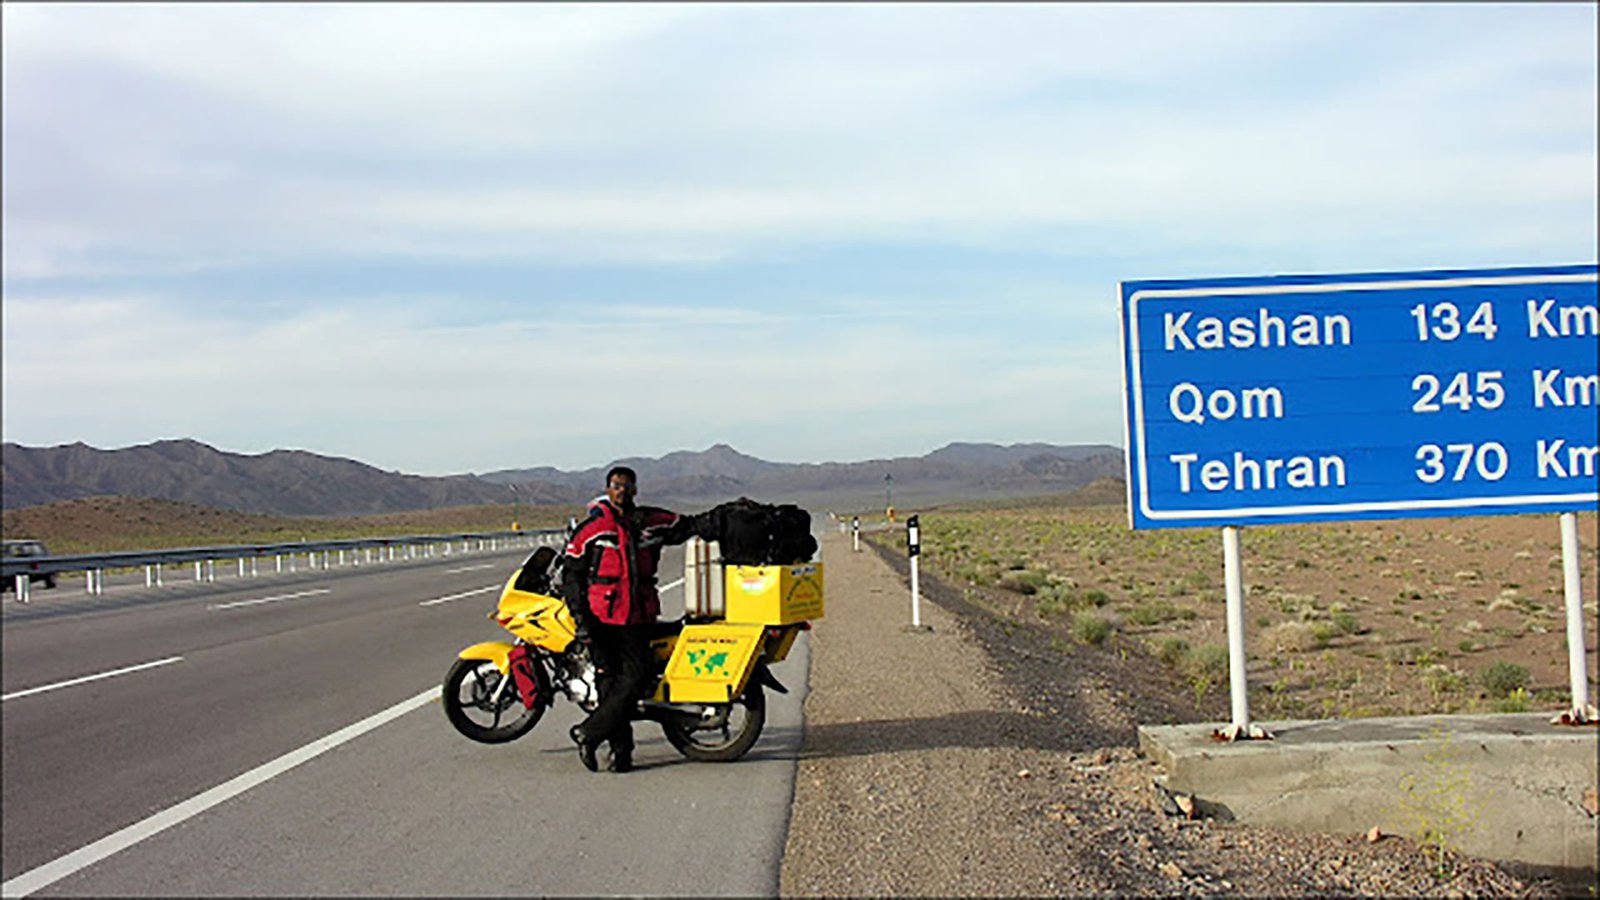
621	486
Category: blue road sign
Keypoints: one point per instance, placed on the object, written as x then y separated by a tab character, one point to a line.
1374	395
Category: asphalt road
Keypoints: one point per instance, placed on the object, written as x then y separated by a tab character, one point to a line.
242	672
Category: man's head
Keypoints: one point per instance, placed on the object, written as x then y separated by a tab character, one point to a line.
621	484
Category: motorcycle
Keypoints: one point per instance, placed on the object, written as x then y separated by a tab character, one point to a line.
711	670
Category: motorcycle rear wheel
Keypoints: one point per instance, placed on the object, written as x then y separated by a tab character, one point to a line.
730	741
468	699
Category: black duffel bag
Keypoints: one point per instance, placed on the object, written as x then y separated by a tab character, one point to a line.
757	534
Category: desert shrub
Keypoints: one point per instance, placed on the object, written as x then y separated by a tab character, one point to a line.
1503	678
1052	601
1210	660
1515	702
1323	632
1442	679
1090	628
1172	651
1098	598
1290	637
1022	581
1346	622
1159	612
1147	615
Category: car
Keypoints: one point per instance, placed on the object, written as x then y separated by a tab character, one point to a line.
17	549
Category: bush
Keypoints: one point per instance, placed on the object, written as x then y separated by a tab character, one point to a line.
1159	612
1346	622
1089	628
1210	660
1290	637
1503	678
1323	632
1022	582
1098	598
1052	601
1442	679
1171	651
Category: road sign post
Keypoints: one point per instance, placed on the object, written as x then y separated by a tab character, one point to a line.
1373	395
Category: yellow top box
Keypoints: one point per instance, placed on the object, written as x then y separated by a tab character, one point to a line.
773	595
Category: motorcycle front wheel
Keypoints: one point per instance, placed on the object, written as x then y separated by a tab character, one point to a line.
470	704
727	739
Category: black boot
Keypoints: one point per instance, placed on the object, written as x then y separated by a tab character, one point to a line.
587	749
621	758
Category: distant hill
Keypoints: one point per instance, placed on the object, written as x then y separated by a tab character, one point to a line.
954	472
298	483
282	482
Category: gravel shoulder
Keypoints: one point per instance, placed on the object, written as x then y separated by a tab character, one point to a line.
976	759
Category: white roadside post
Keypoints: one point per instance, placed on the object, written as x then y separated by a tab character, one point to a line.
914	548
855	532
1233	585
1582	711
149	575
22	587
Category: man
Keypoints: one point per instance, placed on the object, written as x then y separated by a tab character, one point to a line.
609	583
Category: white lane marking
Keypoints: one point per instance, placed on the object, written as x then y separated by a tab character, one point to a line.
270	599
114	672
471	568
82	858
495	587
492	587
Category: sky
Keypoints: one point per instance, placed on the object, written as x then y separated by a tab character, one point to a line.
443	239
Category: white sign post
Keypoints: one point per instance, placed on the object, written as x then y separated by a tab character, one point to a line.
1233	585
1582	711
914	548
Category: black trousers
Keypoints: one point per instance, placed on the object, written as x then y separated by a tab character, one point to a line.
622	656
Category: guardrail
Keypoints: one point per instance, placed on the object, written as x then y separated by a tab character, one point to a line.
21	571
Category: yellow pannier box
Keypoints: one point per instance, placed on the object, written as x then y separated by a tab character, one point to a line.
773	595
710	663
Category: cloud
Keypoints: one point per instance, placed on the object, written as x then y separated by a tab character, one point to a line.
815	231
228	135
420	396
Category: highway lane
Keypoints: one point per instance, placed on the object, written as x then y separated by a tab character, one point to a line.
260	679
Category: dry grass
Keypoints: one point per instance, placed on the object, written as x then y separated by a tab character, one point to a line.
1342	619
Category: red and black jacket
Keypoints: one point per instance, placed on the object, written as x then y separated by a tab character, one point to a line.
611	561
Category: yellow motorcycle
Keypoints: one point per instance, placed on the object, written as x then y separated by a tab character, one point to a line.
712	670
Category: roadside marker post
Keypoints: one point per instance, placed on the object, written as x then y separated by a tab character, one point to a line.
1376	395
855	532
914	549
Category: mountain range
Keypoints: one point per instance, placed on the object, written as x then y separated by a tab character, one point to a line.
299	483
